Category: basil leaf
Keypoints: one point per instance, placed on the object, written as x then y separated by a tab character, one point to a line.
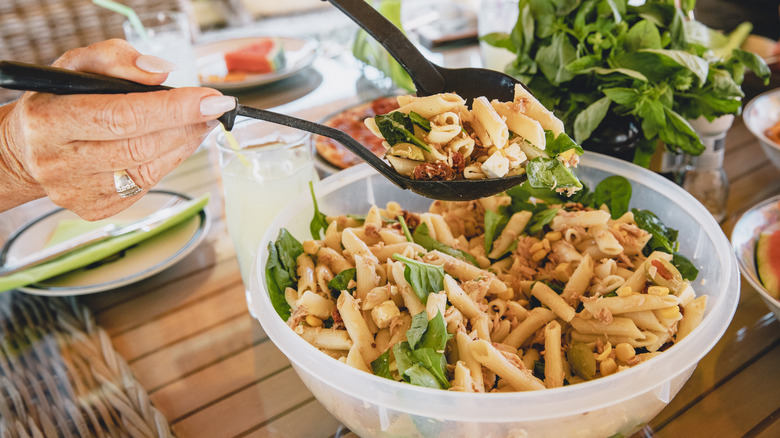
319	222
403	358
559	144
494	224
423	238
590	118
277	279
381	366
420	121
435	335
397	127
421	376
663	239
423	278
685	266
341	281
615	192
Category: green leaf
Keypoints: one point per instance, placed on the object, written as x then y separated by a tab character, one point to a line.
642	35
754	63
653	116
420	121
289	249
680	135
615	192
686	268
502	40
417	329
590	118
422	237
550	173
554	58
560	143
424	278
405	229
403	358
435	336
397	127
277	279
539	220
421	376
494	223
435	363
381	366
341	281
663	239
521	195
622	96
319	222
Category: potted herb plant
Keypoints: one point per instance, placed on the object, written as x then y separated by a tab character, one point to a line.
617	74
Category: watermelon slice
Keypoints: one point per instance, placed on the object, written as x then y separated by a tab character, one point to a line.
768	261
263	56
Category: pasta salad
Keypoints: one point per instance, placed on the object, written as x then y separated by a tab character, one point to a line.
439	137
521	291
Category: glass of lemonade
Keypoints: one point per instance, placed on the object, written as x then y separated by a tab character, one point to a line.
272	166
169	36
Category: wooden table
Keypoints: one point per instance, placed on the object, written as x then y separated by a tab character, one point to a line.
210	370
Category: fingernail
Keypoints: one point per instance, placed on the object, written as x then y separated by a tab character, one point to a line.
154	64
212	105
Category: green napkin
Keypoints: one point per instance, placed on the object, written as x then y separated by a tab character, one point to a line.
98	251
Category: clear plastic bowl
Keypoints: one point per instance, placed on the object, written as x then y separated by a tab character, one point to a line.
618	404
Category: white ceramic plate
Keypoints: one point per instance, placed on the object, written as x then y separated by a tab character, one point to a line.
298	52
138	262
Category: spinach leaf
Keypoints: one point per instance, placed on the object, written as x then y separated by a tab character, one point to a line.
421	376
420	121
289	249
685	266
381	366
615	192
397	127
435	363
494	224
663	239
277	279
403	358
422	237
539	220
550	173
417	330
521	198
423	278
560	143
435	335
341	281
319	222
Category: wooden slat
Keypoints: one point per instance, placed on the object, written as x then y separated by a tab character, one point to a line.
204	349
734	408
247	408
181	324
319	424
770	428
215	382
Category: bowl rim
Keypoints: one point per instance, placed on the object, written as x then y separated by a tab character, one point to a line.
748	270
749	121
655	375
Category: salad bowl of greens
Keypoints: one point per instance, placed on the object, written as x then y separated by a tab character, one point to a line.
615	405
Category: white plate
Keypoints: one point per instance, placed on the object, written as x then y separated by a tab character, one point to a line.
298	52
140	261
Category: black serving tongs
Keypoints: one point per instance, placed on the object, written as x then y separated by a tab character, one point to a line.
428	78
19	76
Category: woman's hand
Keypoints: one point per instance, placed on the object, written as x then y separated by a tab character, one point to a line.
68	147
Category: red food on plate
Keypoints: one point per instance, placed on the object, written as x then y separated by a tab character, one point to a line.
263	56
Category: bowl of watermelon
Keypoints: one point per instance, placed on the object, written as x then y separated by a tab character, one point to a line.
756	241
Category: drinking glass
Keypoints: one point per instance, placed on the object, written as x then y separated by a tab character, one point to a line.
169	36
272	166
496	16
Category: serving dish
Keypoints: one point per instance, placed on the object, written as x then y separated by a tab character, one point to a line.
618	404
128	266
299	53
762	217
761	113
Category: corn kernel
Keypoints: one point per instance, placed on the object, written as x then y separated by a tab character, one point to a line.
546	245
313	321
553	236
624	291
659	291
608	367
538	255
670	312
536	247
624	352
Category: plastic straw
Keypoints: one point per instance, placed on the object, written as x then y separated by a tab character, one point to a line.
233	143
128	12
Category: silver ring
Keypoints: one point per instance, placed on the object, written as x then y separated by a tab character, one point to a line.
125	186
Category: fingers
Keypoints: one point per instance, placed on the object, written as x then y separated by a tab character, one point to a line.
132	152
152	172
112	117
119	59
